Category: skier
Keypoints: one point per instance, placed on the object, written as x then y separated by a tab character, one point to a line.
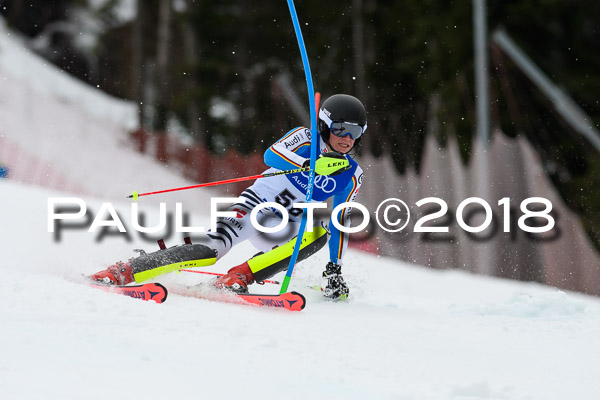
342	122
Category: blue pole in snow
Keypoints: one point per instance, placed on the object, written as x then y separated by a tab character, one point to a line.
313	144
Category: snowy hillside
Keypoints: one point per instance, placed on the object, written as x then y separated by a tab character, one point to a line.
406	333
58	132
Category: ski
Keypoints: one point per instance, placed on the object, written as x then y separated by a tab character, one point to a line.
146	291
291	301
317	288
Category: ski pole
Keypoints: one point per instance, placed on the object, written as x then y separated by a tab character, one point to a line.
135	195
313	144
217	274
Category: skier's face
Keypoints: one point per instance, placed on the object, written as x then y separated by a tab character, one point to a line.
341	144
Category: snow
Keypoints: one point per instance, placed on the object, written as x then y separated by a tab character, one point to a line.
407	332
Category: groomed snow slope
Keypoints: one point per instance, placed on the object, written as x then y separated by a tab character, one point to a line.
406	333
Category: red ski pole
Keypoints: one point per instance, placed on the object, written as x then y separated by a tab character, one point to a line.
135	195
217	274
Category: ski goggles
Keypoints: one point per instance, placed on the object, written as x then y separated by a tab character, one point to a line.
342	128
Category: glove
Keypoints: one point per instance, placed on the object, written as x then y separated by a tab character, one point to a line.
333	284
330	163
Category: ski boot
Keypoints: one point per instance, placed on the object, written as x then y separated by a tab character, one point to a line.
118	274
236	279
333	284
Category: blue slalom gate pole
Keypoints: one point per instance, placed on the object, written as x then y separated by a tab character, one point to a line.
313	144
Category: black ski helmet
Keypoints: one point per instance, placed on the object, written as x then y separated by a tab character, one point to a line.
341	108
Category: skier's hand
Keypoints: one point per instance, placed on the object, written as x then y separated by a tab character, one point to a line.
330	163
333	284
